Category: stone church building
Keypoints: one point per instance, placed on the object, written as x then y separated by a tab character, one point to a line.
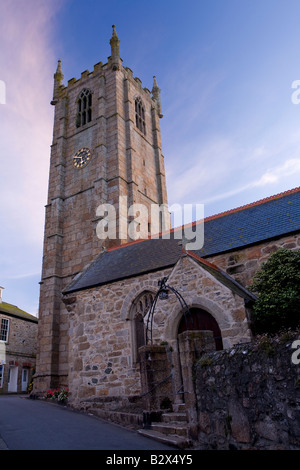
96	295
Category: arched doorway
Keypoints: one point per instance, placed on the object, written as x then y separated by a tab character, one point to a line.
199	319
189	347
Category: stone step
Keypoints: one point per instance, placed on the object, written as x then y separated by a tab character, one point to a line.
178	429
173	417
171	440
179	407
172	430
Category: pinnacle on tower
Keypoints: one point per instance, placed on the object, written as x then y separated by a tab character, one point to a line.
115	49
156	96
58	78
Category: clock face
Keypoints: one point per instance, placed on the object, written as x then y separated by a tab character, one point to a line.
82	158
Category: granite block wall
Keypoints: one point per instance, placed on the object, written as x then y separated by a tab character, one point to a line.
248	397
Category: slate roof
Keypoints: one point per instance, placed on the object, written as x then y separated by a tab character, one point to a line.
266	219
129	260
13	311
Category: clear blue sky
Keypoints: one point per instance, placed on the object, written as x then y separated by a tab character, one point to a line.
230	131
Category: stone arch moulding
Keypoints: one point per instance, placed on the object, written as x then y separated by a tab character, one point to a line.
172	322
138	311
133	294
84	90
138	96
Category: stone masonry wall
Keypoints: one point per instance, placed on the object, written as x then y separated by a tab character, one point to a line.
20	349
248	397
101	336
100	352
243	263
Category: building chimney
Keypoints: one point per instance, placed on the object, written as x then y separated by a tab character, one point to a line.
1	289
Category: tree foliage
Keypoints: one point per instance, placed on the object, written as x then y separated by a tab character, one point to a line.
277	285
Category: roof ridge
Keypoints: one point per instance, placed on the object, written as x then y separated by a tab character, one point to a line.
14	306
157	236
123	245
11	309
192	254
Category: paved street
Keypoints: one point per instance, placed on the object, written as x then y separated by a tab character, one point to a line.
36	425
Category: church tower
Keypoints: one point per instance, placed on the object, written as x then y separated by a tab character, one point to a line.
106	144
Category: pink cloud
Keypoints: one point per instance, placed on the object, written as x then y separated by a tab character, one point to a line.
27	66
27	63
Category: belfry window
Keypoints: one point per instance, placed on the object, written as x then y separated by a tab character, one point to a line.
84	108
140	115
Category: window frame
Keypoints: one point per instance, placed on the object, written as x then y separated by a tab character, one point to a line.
4	330
140	115
84	105
139	309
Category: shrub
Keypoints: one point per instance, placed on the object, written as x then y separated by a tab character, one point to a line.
277	285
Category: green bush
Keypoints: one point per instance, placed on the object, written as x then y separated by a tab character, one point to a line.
277	285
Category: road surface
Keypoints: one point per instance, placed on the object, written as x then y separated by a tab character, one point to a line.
37	425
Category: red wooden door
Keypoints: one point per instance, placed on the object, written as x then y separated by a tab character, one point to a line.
199	319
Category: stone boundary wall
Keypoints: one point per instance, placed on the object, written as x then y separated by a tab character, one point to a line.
248	397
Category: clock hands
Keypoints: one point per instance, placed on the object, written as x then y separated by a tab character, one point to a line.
81	158
78	161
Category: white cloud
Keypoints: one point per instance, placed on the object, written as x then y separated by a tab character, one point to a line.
289	168
201	170
222	174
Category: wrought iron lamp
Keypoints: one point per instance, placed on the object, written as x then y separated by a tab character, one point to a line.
163	294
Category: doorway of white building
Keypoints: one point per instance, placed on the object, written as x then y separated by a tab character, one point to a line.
13	379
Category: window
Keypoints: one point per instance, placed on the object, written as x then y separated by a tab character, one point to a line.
84	108
24	380
139	333
4	329
140	308
140	115
24	375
